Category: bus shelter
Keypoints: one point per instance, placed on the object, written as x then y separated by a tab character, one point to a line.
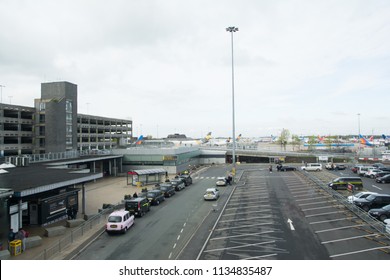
146	176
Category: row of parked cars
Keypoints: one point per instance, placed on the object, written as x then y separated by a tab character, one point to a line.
377	171
140	204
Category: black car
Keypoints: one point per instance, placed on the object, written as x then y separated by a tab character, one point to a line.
381	213
384	179
137	206
372	201
167	189
286	168
155	197
381	174
187	179
178	184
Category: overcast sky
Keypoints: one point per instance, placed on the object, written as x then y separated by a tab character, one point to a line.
306	66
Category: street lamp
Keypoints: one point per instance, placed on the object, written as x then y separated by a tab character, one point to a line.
1	93
233	29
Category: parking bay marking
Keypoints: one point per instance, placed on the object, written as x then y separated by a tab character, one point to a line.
291	224
360	251
377	187
349	238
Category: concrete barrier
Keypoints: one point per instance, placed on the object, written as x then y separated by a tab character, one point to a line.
5	255
33	241
74	223
55	231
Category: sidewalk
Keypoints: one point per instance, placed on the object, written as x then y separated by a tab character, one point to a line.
109	190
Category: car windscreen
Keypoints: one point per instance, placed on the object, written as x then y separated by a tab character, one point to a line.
131	204
209	193
371	197
115	219
151	195
387	207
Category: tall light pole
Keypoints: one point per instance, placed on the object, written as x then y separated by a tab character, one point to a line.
1	93
359	134
233	29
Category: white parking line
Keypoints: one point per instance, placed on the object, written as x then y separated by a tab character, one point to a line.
252	225
339	228
334	220
242	235
349	238
304	199
361	251
256	206
261	257
316	208
319	202
248	219
247	212
323	214
377	187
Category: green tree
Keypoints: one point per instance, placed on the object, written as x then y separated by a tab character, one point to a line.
295	141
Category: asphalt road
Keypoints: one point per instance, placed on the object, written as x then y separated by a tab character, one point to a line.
163	232
278	215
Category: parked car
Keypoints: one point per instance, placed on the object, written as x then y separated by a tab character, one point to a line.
380	213
312	167
378	165
371	173
384	179
342	183
119	221
178	184
362	170
351	198
355	168
187	179
211	194
381	174
372	201
155	197
340	166
221	181
387	227
287	168
137	206
167	189
387	169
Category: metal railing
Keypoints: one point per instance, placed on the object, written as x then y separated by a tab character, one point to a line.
77	233
372	222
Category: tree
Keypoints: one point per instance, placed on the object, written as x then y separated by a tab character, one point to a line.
295	141
283	139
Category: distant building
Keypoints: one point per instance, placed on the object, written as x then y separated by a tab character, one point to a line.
53	125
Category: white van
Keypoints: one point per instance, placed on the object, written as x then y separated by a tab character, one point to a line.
312	167
119	221
362	170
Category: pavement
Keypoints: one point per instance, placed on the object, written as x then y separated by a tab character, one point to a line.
108	190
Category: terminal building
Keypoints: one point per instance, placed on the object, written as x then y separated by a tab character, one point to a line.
53	125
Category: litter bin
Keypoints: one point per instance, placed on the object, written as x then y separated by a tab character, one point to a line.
15	247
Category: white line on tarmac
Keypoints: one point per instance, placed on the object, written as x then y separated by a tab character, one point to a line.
323	214
242	235
236	247
263	256
256	206
334	220
247	212
252	225
339	228
357	252
320	202
248	219
349	238
304	199
377	187
316	208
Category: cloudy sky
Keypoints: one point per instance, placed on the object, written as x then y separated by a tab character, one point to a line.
307	66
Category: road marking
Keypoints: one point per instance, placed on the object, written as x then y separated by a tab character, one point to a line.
170	255
291	224
178	237
321	214
320	202
316	208
182	230
334	220
242	235
376	187
252	225
174	246
349	238
333	229
241	246
361	251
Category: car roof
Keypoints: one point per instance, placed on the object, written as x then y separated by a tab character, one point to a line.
135	199
119	212
211	189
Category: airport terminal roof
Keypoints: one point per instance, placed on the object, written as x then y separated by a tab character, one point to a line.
40	177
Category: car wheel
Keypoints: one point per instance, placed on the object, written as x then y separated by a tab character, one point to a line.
366	208
141	214
157	202
382	218
124	230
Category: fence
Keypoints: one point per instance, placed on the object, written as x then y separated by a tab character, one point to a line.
94	223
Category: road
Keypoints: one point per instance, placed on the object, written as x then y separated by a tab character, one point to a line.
278	215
